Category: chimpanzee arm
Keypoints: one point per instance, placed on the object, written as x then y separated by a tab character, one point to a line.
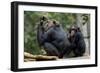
40	31
43	36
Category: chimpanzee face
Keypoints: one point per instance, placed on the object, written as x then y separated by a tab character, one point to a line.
44	21
72	33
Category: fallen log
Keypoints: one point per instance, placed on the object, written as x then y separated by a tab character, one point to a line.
26	60
29	57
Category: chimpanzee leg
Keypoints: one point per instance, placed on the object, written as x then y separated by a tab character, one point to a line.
67	49
51	49
79	50
78	53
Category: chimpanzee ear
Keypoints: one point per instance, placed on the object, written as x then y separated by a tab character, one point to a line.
44	18
54	22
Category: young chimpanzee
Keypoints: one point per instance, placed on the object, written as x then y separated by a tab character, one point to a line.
77	40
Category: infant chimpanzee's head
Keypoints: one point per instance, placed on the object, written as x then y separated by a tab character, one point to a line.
73	30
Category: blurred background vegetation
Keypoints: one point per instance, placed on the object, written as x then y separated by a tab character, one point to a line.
31	20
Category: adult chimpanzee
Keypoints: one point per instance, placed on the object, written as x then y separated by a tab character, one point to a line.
54	39
77	40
